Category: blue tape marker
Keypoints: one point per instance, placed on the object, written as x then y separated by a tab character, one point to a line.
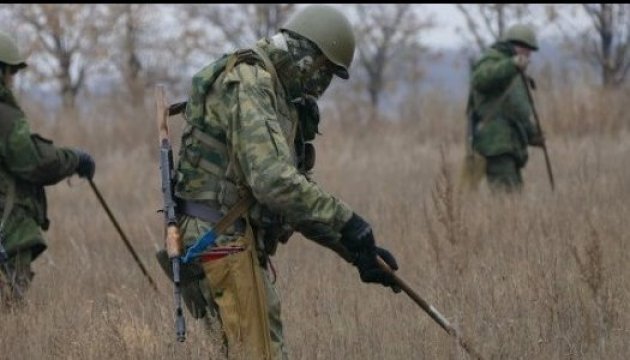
208	239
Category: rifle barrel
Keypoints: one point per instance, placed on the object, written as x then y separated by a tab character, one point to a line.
172	236
180	322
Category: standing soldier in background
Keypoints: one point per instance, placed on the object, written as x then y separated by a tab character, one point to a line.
499	110
28	162
250	119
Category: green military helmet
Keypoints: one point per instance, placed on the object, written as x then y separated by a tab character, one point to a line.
9	52
522	34
330	30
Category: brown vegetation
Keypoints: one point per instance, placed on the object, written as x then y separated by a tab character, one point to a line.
538	276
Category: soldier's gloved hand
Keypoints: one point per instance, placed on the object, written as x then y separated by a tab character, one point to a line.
357	237
371	272
86	166
521	61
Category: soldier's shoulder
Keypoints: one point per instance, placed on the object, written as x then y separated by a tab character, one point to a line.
491	54
248	74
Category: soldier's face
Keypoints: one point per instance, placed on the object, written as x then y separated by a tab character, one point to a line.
521	50
320	78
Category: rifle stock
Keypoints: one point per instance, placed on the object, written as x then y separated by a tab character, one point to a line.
172	237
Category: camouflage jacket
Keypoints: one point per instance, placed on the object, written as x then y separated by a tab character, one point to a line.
506	127
30	161
246	141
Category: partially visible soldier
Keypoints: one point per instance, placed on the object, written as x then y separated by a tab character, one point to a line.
251	117
28	163
501	124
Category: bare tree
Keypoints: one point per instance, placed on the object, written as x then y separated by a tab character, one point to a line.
604	44
385	31
608	47
486	23
65	43
145	48
129	22
240	25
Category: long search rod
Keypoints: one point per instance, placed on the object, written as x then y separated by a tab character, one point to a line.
122	235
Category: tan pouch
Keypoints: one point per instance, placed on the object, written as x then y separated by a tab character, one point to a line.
237	289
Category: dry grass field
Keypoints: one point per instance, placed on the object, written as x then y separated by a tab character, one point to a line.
540	275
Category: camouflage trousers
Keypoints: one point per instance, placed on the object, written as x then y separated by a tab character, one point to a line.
239	291
503	173
15	278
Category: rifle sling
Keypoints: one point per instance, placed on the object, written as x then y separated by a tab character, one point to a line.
241	206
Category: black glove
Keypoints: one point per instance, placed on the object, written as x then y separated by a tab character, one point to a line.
86	166
371	272
357	237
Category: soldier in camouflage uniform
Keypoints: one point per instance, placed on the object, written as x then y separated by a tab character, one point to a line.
28	163
498	97
250	119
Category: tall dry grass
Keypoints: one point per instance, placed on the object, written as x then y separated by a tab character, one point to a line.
542	275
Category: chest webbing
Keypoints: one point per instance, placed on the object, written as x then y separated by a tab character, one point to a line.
214	143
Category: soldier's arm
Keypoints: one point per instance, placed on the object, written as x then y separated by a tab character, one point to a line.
266	162
34	159
493	75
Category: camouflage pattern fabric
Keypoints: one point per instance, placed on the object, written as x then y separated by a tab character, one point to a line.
308	58
32	162
509	130
243	125
251	124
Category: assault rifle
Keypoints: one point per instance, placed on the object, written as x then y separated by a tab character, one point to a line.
173	241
